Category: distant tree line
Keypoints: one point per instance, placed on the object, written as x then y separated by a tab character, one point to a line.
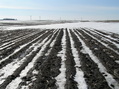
9	19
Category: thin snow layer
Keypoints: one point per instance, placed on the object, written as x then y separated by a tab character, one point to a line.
109	78
111	27
61	78
79	77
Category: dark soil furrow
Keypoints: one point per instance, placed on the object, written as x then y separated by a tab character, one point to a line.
70	66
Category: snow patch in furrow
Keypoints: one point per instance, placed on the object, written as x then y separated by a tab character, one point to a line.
109	78
79	77
15	83
117	62
106	45
61	78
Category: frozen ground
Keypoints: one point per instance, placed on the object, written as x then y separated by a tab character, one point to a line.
111	27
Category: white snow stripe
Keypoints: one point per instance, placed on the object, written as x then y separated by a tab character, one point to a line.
109	78
61	78
79	77
117	62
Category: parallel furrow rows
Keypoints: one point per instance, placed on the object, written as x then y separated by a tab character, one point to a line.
109	43
48	67
104	62
25	61
59	59
22	51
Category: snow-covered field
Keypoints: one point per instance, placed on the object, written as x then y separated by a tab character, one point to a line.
111	27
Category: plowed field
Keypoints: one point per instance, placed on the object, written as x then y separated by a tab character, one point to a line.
59	59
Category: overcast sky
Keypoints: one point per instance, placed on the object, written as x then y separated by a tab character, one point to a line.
56	9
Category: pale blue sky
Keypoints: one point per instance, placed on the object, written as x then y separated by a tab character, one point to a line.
54	9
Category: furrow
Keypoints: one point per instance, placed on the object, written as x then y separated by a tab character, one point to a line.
61	78
79	77
70	66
